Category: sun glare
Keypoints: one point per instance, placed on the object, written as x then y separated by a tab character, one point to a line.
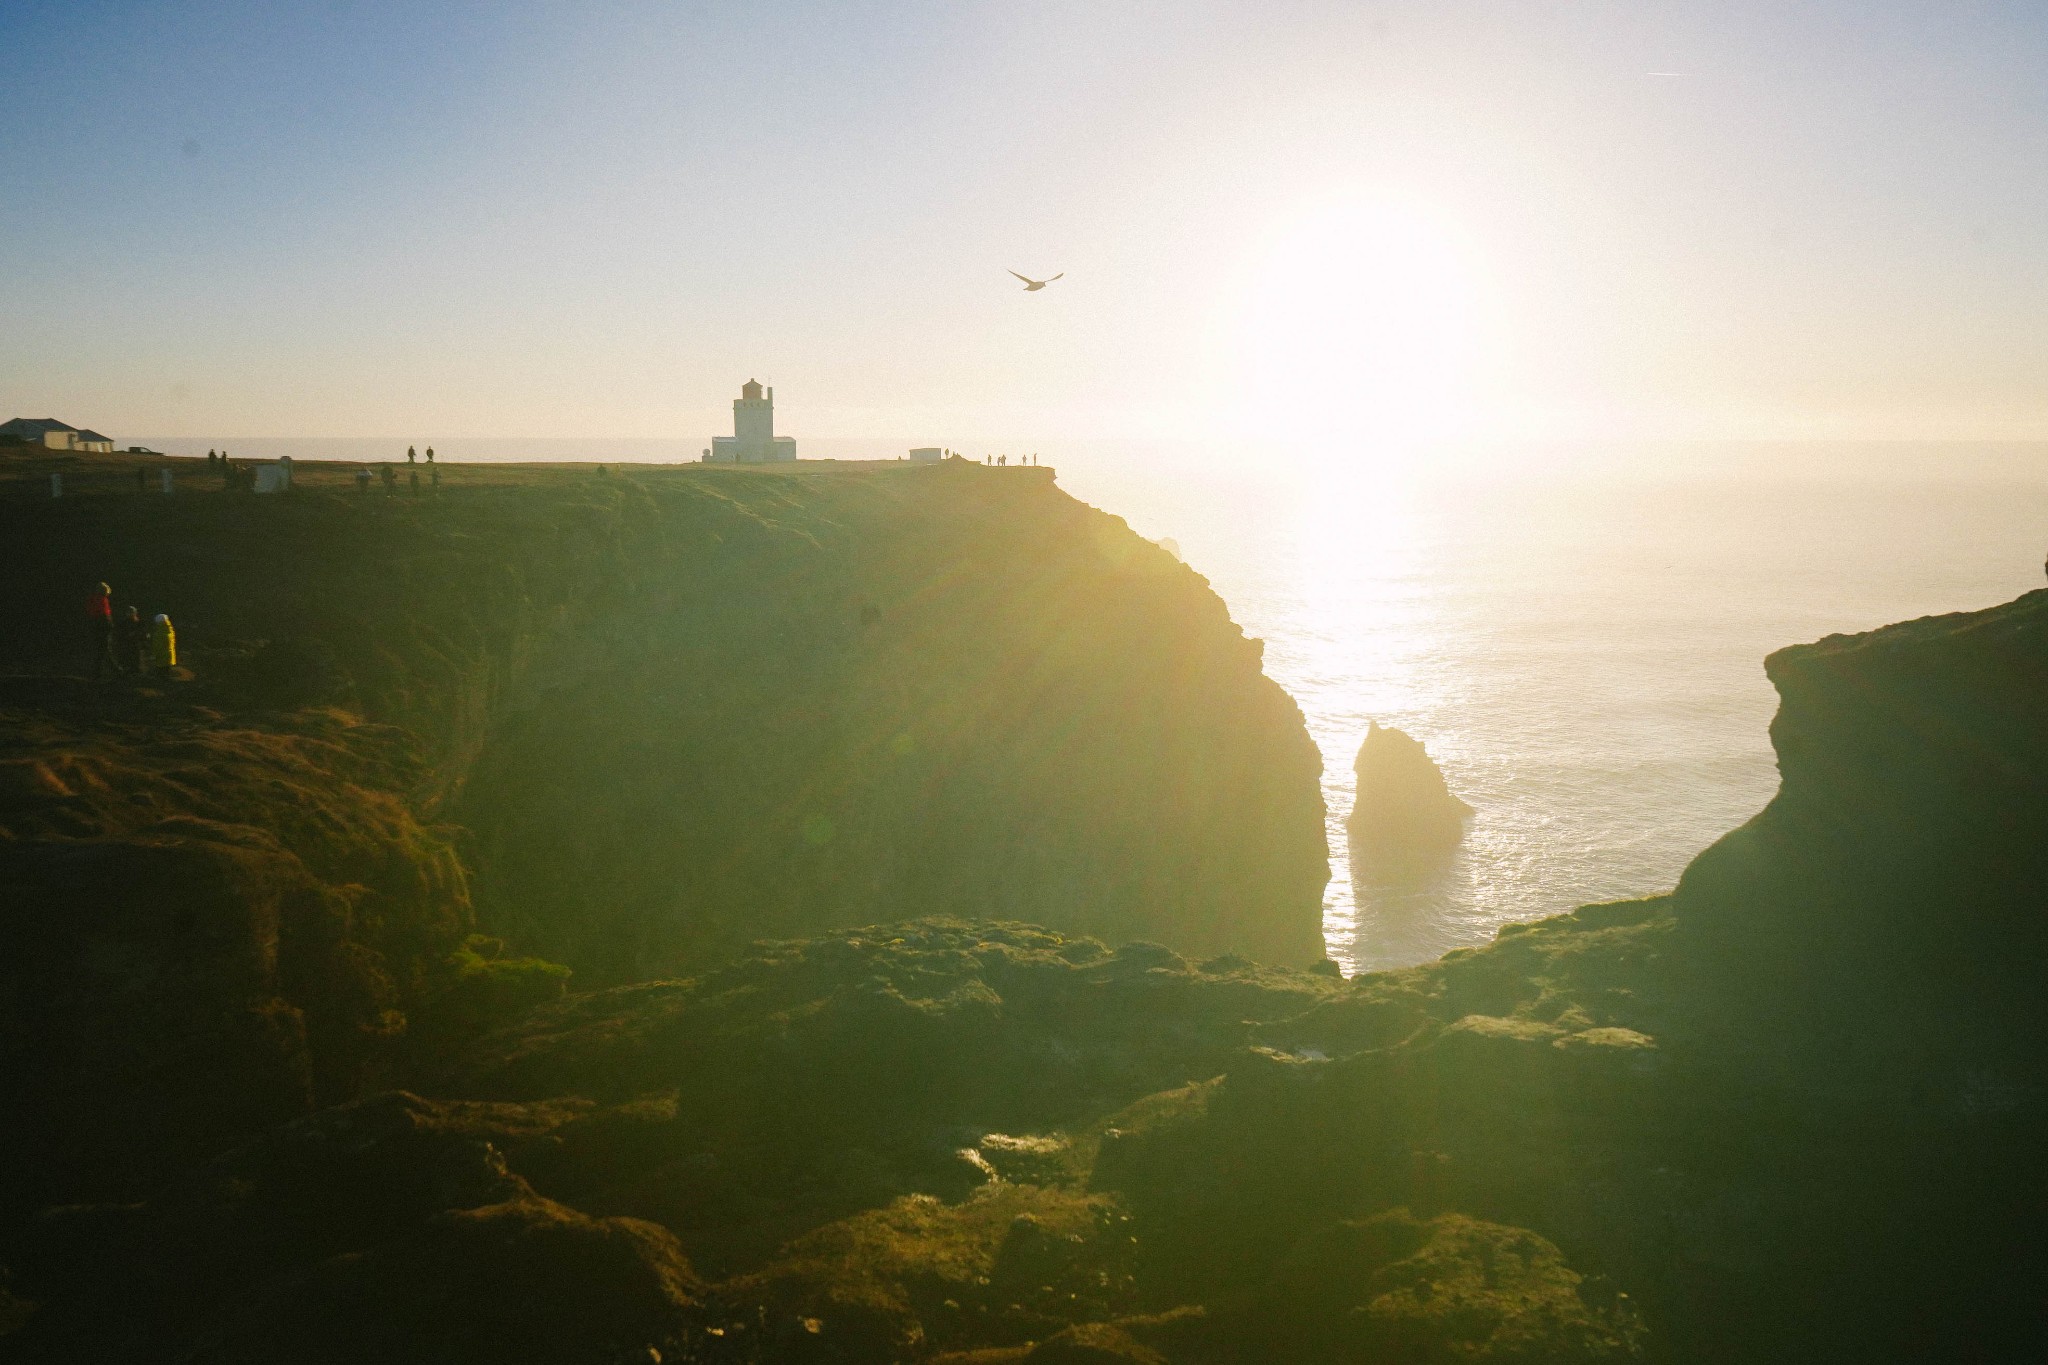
1356	330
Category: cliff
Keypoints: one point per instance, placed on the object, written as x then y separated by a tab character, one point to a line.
859	696
622	724
1904	841
1792	1111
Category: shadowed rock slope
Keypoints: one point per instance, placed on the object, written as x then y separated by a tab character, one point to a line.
927	1137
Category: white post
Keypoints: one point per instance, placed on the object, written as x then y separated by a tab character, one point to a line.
167	482
56	485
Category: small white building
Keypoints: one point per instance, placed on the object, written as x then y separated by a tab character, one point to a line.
928	453
52	434
753	424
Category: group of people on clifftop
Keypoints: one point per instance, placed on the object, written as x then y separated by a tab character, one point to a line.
123	645
390	475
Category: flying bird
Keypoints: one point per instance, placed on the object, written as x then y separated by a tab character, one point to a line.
1031	285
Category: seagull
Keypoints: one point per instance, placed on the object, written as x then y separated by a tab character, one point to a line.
1031	285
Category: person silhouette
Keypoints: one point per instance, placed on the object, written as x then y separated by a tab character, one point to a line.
163	646
99	615
130	635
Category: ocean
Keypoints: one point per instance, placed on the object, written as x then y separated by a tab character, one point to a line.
1581	651
1577	635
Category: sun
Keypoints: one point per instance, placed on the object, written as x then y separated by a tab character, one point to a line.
1355	327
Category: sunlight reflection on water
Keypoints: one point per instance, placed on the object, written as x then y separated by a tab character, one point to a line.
1584	661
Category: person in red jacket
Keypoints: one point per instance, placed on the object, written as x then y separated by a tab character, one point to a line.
99	615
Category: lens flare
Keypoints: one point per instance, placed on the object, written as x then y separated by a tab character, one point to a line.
1356	331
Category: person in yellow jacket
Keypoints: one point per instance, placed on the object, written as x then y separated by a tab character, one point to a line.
163	646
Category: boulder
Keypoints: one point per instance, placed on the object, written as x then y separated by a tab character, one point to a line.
1452	1289
1404	812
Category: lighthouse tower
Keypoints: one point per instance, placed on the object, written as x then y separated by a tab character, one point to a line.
753	424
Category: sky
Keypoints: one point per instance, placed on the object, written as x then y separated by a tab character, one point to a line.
1284	219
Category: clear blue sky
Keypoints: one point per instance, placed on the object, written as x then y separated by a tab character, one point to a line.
361	218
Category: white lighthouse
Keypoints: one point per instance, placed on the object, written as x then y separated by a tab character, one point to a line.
753	424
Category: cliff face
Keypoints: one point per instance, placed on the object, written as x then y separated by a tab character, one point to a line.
668	715
1903	860
861	696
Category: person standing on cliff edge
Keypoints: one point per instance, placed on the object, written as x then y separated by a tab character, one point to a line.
163	647
99	616
130	637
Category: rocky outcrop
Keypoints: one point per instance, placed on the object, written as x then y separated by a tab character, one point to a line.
1392	1287
1902	860
209	928
812	1078
1405	815
932	1140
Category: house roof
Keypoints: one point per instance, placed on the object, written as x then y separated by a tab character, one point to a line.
36	426
85	435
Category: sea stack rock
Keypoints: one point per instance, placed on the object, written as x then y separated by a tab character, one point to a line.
1404	808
